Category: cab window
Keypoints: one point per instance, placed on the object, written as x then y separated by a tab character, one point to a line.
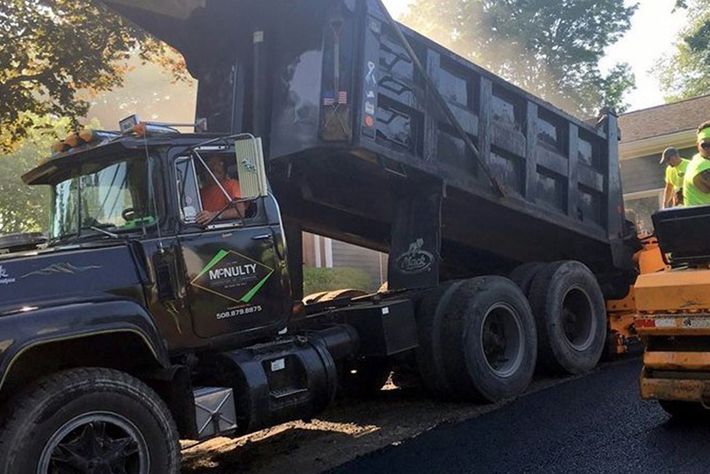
188	190
205	192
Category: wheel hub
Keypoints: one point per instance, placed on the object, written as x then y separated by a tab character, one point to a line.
95	443
578	322
502	340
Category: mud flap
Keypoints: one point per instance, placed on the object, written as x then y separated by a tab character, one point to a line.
416	241
294	237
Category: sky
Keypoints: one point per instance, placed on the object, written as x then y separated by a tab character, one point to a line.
653	33
654	29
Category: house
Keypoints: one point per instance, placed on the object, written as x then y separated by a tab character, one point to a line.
323	252
644	135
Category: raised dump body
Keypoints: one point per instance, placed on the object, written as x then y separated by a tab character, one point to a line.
360	150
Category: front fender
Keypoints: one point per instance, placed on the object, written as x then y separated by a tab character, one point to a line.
33	327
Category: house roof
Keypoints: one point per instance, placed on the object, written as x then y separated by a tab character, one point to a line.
664	119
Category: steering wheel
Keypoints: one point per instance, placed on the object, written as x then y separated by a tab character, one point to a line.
128	214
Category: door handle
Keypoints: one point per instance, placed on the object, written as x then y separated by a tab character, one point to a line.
262	237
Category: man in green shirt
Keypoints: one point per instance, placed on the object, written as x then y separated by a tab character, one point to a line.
675	172
696	184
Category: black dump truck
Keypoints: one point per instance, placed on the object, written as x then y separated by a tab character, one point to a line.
145	315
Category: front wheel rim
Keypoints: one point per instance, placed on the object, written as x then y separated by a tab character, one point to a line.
95	442
502	340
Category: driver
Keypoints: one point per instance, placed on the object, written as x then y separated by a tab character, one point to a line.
213	198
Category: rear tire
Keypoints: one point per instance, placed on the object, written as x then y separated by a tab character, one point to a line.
429	356
570	314
87	412
486	342
491	340
524	275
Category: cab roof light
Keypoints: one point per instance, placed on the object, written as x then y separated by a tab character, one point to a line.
143	129
87	135
58	147
90	135
133	125
84	136
72	140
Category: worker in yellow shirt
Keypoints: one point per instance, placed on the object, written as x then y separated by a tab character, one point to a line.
675	172
696	184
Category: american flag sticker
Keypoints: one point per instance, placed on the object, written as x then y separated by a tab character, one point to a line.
343	97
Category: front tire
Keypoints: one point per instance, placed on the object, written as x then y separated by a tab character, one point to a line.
89	420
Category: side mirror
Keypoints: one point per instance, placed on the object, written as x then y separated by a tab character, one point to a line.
251	168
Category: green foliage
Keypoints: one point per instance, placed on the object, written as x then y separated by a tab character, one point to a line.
25	208
686	73
551	49
149	91
327	279
53	51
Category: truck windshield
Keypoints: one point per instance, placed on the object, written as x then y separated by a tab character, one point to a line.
111	197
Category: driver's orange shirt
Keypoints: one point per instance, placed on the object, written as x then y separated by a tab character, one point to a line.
214	200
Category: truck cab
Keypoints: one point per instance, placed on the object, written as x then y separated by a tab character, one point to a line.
202	283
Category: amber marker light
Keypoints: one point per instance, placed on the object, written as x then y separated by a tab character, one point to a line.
72	140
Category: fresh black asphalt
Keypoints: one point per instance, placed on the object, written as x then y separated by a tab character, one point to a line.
592	424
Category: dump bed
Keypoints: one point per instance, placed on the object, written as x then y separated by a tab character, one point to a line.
359	150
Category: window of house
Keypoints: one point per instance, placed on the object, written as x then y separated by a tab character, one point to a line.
640	208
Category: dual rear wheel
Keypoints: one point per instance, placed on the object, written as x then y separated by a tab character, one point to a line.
477	340
570	314
481	339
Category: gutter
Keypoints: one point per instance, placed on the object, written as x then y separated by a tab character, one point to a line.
656	145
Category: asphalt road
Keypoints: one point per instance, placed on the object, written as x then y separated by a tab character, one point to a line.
592	424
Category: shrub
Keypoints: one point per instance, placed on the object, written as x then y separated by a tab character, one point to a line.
328	279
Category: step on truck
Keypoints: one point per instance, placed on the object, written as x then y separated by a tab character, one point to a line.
142	319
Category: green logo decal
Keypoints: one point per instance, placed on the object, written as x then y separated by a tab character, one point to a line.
233	276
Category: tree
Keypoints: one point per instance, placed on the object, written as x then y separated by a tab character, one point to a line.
551	49
55	53
686	73
25	208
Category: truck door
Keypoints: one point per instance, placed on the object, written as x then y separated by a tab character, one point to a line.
234	273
